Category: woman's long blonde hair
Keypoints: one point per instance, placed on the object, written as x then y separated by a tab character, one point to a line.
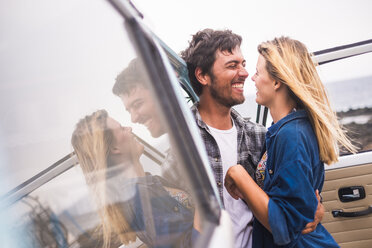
91	141
288	61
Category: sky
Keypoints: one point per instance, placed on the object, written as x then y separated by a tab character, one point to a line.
319	24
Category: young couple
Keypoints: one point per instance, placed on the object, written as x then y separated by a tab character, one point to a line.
273	175
278	173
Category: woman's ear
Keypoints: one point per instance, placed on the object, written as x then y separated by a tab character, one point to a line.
277	85
201	77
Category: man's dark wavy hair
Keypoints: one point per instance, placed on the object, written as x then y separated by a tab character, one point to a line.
129	79
202	51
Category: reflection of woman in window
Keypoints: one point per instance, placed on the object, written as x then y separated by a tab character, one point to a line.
305	134
132	203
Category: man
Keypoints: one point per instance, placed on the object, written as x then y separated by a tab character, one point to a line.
217	73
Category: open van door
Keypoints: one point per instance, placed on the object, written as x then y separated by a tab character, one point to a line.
59	66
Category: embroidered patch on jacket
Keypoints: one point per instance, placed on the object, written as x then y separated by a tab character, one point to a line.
260	171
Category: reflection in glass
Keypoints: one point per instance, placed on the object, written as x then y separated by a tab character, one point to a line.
131	202
47	87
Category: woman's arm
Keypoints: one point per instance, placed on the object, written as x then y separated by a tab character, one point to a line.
239	184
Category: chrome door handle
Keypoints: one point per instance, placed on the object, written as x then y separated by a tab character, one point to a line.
341	213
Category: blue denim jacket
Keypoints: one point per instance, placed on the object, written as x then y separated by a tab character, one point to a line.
293	173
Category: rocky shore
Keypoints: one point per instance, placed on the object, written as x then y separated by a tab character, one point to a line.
358	123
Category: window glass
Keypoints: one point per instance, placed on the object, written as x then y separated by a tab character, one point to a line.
70	74
58	62
188	98
348	82
180	71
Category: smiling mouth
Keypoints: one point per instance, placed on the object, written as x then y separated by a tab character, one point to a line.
237	85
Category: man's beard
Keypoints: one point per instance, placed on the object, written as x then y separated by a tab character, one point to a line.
218	94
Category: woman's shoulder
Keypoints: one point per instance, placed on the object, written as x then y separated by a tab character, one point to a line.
297	134
300	127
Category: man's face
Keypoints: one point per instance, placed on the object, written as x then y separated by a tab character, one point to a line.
139	103
227	78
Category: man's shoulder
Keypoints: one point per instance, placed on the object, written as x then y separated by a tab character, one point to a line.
200	123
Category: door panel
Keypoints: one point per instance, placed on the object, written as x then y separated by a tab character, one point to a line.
348	231
349	93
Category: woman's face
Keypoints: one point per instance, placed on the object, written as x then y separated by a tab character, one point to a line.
264	83
124	140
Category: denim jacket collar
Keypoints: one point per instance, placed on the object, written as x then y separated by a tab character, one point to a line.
291	116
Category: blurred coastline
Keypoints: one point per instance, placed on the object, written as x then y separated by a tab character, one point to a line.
358	123
352	100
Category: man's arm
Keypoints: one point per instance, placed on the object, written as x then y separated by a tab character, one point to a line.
317	218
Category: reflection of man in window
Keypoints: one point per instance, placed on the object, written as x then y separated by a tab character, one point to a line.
132	87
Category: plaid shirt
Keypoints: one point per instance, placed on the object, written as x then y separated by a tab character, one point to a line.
251	139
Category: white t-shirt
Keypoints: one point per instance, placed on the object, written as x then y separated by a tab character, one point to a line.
240	214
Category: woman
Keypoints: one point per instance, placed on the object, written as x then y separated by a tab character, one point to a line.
305	134
131	203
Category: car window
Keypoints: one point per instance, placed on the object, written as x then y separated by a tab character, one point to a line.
61	67
348	83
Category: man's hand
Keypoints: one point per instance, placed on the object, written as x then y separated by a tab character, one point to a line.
317	218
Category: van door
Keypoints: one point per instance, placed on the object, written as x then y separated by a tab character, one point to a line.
87	157
347	191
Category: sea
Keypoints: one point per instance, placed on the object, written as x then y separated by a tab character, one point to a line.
350	94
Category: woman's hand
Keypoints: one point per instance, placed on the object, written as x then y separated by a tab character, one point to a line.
230	182
197	223
239	184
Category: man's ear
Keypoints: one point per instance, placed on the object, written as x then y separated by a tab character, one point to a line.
201	77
